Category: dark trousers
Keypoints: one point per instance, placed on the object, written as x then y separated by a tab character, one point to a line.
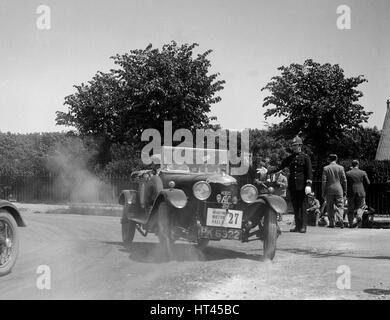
300	213
355	204
335	208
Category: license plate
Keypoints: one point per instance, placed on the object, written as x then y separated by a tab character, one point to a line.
219	233
217	217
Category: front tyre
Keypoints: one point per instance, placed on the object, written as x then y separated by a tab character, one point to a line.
128	228
270	229
202	244
9	242
164	231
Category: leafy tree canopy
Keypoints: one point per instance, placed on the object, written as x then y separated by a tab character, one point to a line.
359	143
29	154
316	100
148	87
263	144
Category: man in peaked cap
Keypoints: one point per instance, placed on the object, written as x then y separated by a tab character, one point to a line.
299	182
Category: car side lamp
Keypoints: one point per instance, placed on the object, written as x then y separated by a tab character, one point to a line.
271	190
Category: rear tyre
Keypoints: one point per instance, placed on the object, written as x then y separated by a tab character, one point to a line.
270	234
9	242
128	228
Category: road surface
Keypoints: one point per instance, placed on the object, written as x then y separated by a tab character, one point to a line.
87	261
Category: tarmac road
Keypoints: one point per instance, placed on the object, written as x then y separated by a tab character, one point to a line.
87	261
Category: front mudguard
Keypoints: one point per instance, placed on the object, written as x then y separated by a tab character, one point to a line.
8	206
277	204
174	197
256	210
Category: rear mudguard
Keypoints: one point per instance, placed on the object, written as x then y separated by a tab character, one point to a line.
267	201
127	197
8	206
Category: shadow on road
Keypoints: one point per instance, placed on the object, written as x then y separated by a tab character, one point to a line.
148	252
316	254
313	252
377	292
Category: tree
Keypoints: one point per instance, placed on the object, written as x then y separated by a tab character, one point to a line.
316	100
359	143
33	153
125	159
148	87
264	145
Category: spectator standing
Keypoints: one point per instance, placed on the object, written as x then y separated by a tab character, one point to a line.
267	162
334	189
261	171
281	183
356	181
261	176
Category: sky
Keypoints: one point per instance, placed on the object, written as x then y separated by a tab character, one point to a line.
250	39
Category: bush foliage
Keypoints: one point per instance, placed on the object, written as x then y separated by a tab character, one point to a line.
42	154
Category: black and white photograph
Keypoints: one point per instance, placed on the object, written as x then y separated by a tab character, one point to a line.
214	151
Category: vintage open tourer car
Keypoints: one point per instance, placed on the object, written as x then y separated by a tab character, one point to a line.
10	220
198	203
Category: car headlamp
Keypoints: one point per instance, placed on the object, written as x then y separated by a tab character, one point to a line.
201	190
248	193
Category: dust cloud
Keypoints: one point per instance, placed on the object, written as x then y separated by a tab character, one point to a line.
74	181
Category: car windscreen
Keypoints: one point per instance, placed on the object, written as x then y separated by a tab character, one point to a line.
194	160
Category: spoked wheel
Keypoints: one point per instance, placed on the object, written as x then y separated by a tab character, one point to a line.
9	242
270	234
128	228
165	231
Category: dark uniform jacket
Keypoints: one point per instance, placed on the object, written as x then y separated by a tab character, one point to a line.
356	179
301	173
